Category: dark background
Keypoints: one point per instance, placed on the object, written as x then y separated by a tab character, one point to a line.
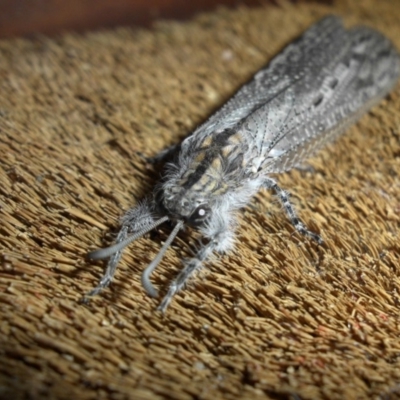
27	17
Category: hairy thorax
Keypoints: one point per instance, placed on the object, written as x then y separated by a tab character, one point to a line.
205	171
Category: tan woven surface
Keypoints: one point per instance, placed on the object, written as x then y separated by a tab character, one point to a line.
278	318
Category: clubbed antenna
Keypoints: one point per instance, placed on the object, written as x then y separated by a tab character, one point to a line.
151	267
109	251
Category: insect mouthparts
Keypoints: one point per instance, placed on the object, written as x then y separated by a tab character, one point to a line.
152	266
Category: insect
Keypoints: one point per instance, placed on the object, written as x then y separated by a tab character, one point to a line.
305	97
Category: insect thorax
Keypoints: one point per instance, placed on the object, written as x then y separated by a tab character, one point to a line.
208	168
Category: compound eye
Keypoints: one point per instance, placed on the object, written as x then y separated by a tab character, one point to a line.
199	215
201	212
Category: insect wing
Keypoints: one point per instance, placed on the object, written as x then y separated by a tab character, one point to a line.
283	70
365	73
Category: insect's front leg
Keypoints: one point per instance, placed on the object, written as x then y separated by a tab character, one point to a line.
221	241
111	266
290	210
136	221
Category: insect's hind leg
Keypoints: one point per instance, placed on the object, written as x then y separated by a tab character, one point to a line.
290	210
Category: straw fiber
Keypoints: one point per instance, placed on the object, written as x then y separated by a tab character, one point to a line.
279	317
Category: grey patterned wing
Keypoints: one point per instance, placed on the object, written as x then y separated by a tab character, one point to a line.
365	72
291	65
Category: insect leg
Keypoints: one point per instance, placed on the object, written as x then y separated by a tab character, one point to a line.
290	211
112	264
137	220
221	242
